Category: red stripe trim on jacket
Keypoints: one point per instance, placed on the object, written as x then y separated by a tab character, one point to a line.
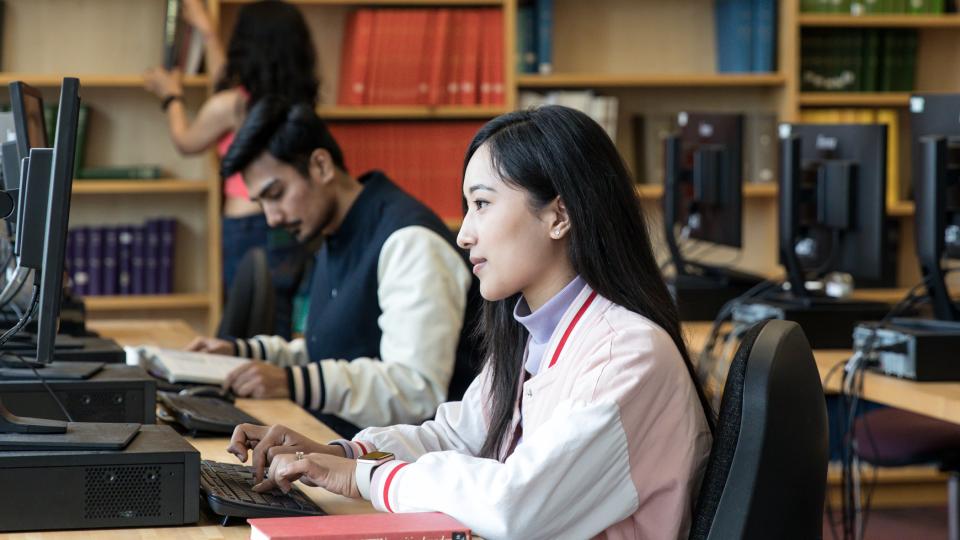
386	486
566	333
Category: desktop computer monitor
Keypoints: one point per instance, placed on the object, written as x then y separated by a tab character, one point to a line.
832	202
937	191
703	196
931	114
27	105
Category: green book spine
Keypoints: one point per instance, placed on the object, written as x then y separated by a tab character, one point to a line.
888	46
855	54
871	61
917	6
909	60
938	6
133	172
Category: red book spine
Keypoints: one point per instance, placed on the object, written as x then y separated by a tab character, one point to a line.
359	63
454	59
438	53
471	55
347	60
497	90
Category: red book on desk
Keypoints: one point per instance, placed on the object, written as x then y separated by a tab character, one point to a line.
419	525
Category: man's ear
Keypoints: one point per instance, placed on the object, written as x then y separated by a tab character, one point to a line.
322	169
558	219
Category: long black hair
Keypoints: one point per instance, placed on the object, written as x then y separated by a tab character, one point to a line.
557	151
271	52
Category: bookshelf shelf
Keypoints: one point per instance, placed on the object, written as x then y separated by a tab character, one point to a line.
92	81
855	99
412	3
403	112
605	80
147	302
122	187
880	21
750	191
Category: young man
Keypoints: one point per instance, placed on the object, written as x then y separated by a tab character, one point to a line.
386	340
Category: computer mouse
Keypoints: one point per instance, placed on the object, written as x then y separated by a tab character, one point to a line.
209	391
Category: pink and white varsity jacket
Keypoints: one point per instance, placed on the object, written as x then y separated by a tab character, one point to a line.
614	441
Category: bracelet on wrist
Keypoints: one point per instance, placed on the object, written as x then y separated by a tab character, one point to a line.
165	104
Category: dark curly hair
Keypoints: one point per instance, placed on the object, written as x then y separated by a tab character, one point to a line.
271	52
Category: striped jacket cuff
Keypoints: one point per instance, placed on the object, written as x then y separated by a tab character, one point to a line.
250	348
383	485
354	449
306	386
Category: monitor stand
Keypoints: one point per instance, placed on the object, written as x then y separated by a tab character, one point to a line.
12	367
38	434
702	290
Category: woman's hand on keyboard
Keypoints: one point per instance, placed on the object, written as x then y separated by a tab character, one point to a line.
265	444
336	474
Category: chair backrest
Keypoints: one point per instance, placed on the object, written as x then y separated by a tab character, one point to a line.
767	472
251	304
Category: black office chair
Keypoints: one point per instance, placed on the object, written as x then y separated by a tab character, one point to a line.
251	303
767	472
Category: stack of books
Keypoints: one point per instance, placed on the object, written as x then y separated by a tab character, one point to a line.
603	109
182	44
746	34
122	260
422	57
424	158
858	60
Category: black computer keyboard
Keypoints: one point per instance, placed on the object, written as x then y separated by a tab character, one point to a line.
204	414
228	489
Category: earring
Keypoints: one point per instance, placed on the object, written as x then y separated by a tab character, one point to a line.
555	234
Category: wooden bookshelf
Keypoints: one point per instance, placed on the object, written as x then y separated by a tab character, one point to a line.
411	112
751	190
902	209
374	3
93	80
854	99
124	187
611	80
879	21
187	301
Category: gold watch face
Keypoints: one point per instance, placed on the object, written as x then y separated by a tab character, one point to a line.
375	456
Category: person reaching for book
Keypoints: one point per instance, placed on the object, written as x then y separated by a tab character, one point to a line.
270	52
586	420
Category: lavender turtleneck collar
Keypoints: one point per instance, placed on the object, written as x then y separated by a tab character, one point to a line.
542	323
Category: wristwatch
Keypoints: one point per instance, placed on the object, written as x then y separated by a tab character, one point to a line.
366	464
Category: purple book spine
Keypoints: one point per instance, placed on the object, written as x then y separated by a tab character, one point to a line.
81	278
138	276
95	261
110	239
152	257
168	233
125	260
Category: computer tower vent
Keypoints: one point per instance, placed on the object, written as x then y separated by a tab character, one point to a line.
122	492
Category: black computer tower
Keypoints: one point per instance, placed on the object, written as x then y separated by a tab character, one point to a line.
117	393
155	481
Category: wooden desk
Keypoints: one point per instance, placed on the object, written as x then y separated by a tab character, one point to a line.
175	333
939	400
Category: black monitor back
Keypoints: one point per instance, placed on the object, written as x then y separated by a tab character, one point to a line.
713	192
862	248
27	105
931	114
58	213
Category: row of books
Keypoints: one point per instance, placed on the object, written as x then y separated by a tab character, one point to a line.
424	158
889	117
858	60
860	7
422	57
182	44
122	260
603	109
746	34
535	37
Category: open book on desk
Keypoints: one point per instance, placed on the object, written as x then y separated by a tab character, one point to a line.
184	367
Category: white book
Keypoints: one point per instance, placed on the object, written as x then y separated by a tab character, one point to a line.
186	367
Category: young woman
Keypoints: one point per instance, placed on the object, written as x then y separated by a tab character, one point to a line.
586	419
270	52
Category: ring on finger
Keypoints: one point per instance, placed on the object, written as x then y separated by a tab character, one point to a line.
299	456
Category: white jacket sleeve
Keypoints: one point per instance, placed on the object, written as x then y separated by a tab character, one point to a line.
274	349
422	290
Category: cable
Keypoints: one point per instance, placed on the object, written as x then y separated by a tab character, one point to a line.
34	300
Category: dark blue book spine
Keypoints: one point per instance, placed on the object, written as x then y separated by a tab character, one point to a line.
95	261
125	260
168	233
81	277
764	35
138	275
545	36
110	240
152	257
733	34
526	39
